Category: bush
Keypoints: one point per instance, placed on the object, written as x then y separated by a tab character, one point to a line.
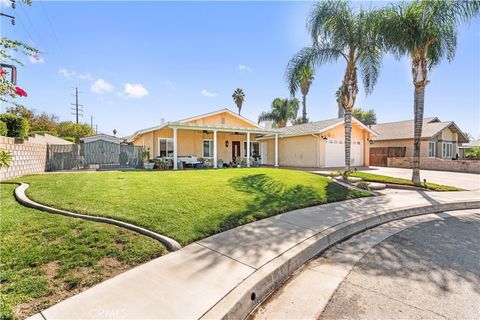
363	185
5	159
71	139
17	127
3	129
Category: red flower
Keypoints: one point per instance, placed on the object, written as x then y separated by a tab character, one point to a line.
20	92
2	73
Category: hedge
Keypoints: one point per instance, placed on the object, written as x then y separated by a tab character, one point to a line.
17	127
3	128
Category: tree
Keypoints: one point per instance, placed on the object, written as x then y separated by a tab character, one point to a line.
473	153
339	32
282	110
238	97
17	127
426	32
77	131
42	123
301	78
366	117
338	94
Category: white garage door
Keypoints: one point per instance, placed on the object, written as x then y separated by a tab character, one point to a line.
335	153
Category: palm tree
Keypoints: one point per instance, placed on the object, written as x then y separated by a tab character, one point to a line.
338	94
238	97
303	79
339	32
425	31
282	111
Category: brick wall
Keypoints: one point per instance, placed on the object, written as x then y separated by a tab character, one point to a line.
28	157
471	166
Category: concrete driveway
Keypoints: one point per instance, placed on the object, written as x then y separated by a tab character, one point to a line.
467	181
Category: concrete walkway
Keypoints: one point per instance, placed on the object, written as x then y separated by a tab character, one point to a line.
228	274
467	181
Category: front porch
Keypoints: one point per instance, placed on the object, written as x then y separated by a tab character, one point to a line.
215	143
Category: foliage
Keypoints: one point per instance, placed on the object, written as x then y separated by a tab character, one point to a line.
363	185
38	122
5	159
302	79
145	154
211	200
46	257
71	129
474	153
238	97
17	127
283	110
366	117
71	139
386	179
3	128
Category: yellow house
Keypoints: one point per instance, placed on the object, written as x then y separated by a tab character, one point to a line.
227	136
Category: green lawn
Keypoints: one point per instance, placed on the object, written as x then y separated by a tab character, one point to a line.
186	205
45	258
385	179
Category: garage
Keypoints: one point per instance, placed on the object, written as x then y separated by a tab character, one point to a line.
335	153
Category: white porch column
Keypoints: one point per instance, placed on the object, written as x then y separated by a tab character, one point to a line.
276	150
248	149
175	165
215	149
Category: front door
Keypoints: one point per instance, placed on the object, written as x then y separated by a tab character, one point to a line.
235	150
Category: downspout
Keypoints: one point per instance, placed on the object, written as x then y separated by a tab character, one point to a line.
317	150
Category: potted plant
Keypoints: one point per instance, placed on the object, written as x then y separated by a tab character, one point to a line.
220	163
199	164
147	164
256	160
161	164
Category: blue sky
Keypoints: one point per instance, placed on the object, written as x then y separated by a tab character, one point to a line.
138	62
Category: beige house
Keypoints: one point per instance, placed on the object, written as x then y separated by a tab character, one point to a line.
440	139
227	136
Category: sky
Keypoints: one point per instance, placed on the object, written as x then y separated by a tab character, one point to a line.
138	62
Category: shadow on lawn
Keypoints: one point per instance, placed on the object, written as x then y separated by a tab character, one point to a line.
272	197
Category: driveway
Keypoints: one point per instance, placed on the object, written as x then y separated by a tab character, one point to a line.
467	181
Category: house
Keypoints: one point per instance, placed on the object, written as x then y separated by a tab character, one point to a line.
467	147
102	137
228	136
440	139
46	138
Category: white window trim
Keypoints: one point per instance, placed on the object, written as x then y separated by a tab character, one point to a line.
158	144
444	150
244	151
434	149
203	150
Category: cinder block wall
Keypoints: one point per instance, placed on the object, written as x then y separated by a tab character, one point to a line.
28	157
470	166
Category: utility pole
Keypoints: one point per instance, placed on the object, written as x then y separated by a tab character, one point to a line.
91	122
78	109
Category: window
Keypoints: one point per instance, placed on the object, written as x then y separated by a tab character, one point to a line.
431	149
165	147
254	149
447	152
208	148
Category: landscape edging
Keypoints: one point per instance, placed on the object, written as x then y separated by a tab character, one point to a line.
243	299
22	198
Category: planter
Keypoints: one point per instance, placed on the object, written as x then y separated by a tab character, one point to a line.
148	165
199	165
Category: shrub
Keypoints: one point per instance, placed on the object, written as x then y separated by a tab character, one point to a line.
3	129
363	185
5	159
17	127
71	139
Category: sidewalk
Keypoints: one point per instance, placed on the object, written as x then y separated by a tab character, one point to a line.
214	276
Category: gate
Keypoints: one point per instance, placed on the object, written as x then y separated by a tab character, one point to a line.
379	155
94	155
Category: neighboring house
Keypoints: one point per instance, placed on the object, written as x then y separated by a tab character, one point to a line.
467	147
440	139
46	138
102	137
228	136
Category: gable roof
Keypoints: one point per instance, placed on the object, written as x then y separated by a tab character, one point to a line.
226	110
405	129
102	136
317	127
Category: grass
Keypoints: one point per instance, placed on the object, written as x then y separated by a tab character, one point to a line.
385	179
45	258
186	205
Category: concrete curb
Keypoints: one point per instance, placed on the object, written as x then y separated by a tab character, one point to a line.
21	197
239	302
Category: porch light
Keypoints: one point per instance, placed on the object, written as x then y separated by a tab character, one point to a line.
370	141
226	143
324	138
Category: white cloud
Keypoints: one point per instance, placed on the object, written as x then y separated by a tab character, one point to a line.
135	90
36	59
85	76
66	73
207	93
101	86
242	67
5	4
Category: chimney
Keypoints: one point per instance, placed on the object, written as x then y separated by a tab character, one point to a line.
162	121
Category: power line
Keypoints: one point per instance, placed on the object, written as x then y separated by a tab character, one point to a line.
52	28
38	36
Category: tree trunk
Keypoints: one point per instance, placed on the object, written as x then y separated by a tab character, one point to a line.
348	137
304	110
341	111
418	107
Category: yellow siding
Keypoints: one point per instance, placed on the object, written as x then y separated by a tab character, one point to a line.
223	118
